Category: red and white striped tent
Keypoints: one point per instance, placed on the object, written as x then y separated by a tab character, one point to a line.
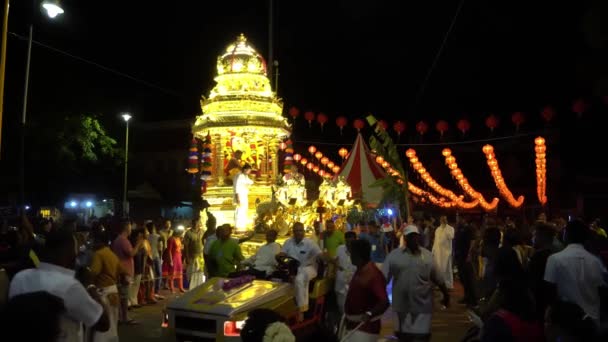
360	170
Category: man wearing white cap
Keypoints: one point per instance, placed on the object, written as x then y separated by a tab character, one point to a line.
414	273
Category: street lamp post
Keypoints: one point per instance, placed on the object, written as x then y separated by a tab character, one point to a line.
53	9
125	204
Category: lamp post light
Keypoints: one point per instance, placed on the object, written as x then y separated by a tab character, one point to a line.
125	204
53	9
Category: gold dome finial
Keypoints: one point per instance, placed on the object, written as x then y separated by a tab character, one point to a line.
242	38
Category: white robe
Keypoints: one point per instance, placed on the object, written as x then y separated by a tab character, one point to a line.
442	253
241	190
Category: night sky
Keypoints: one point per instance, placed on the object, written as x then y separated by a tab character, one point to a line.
341	57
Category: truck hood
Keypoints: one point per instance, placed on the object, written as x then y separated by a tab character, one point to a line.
209	298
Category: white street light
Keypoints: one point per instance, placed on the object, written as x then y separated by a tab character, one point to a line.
53	8
125	204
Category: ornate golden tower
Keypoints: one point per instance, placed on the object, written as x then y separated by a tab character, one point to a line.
241	113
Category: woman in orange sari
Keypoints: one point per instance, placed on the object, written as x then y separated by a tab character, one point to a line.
172	262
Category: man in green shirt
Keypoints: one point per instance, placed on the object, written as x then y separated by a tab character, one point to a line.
225	253
332	238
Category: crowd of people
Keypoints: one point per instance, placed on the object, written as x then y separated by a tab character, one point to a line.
540	282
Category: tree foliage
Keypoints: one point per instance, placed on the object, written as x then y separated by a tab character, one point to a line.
73	140
394	193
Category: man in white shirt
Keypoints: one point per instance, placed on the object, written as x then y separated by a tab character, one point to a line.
345	270
306	252
414	274
55	275
241	197
442	251
576	275
264	262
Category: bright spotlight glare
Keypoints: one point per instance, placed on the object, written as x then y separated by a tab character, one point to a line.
52	10
390	212
73	204
126	117
89	204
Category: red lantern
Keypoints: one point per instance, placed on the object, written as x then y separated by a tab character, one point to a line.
579	107
282	146
548	113
383	125
335	169
399	127
294	112
318	155
297	157
343	152
312	149
309	116
304	161
422	127
341	122
324	160
492	122
330	165
463	125
442	126
358	124
518	118
321	119
309	166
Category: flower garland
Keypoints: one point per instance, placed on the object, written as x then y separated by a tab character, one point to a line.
193	157
206	163
236	282
278	332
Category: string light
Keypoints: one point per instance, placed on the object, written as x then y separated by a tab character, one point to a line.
441	201
428	179
541	169
504	191
450	161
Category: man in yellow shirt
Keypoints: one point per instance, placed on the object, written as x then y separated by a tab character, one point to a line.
106	272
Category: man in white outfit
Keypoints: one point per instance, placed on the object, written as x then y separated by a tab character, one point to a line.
442	251
264	262
306	252
241	185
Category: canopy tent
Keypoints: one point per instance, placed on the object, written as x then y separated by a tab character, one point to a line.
360	171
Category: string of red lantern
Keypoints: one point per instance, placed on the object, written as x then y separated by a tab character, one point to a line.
442	126
341	122
422	127
548	113
504	191
463	125
294	113
309	116
518	119
328	163
322	119
450	161
541	169
428	179
440	202
358	124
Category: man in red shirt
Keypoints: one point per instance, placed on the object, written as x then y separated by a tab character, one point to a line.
366	299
